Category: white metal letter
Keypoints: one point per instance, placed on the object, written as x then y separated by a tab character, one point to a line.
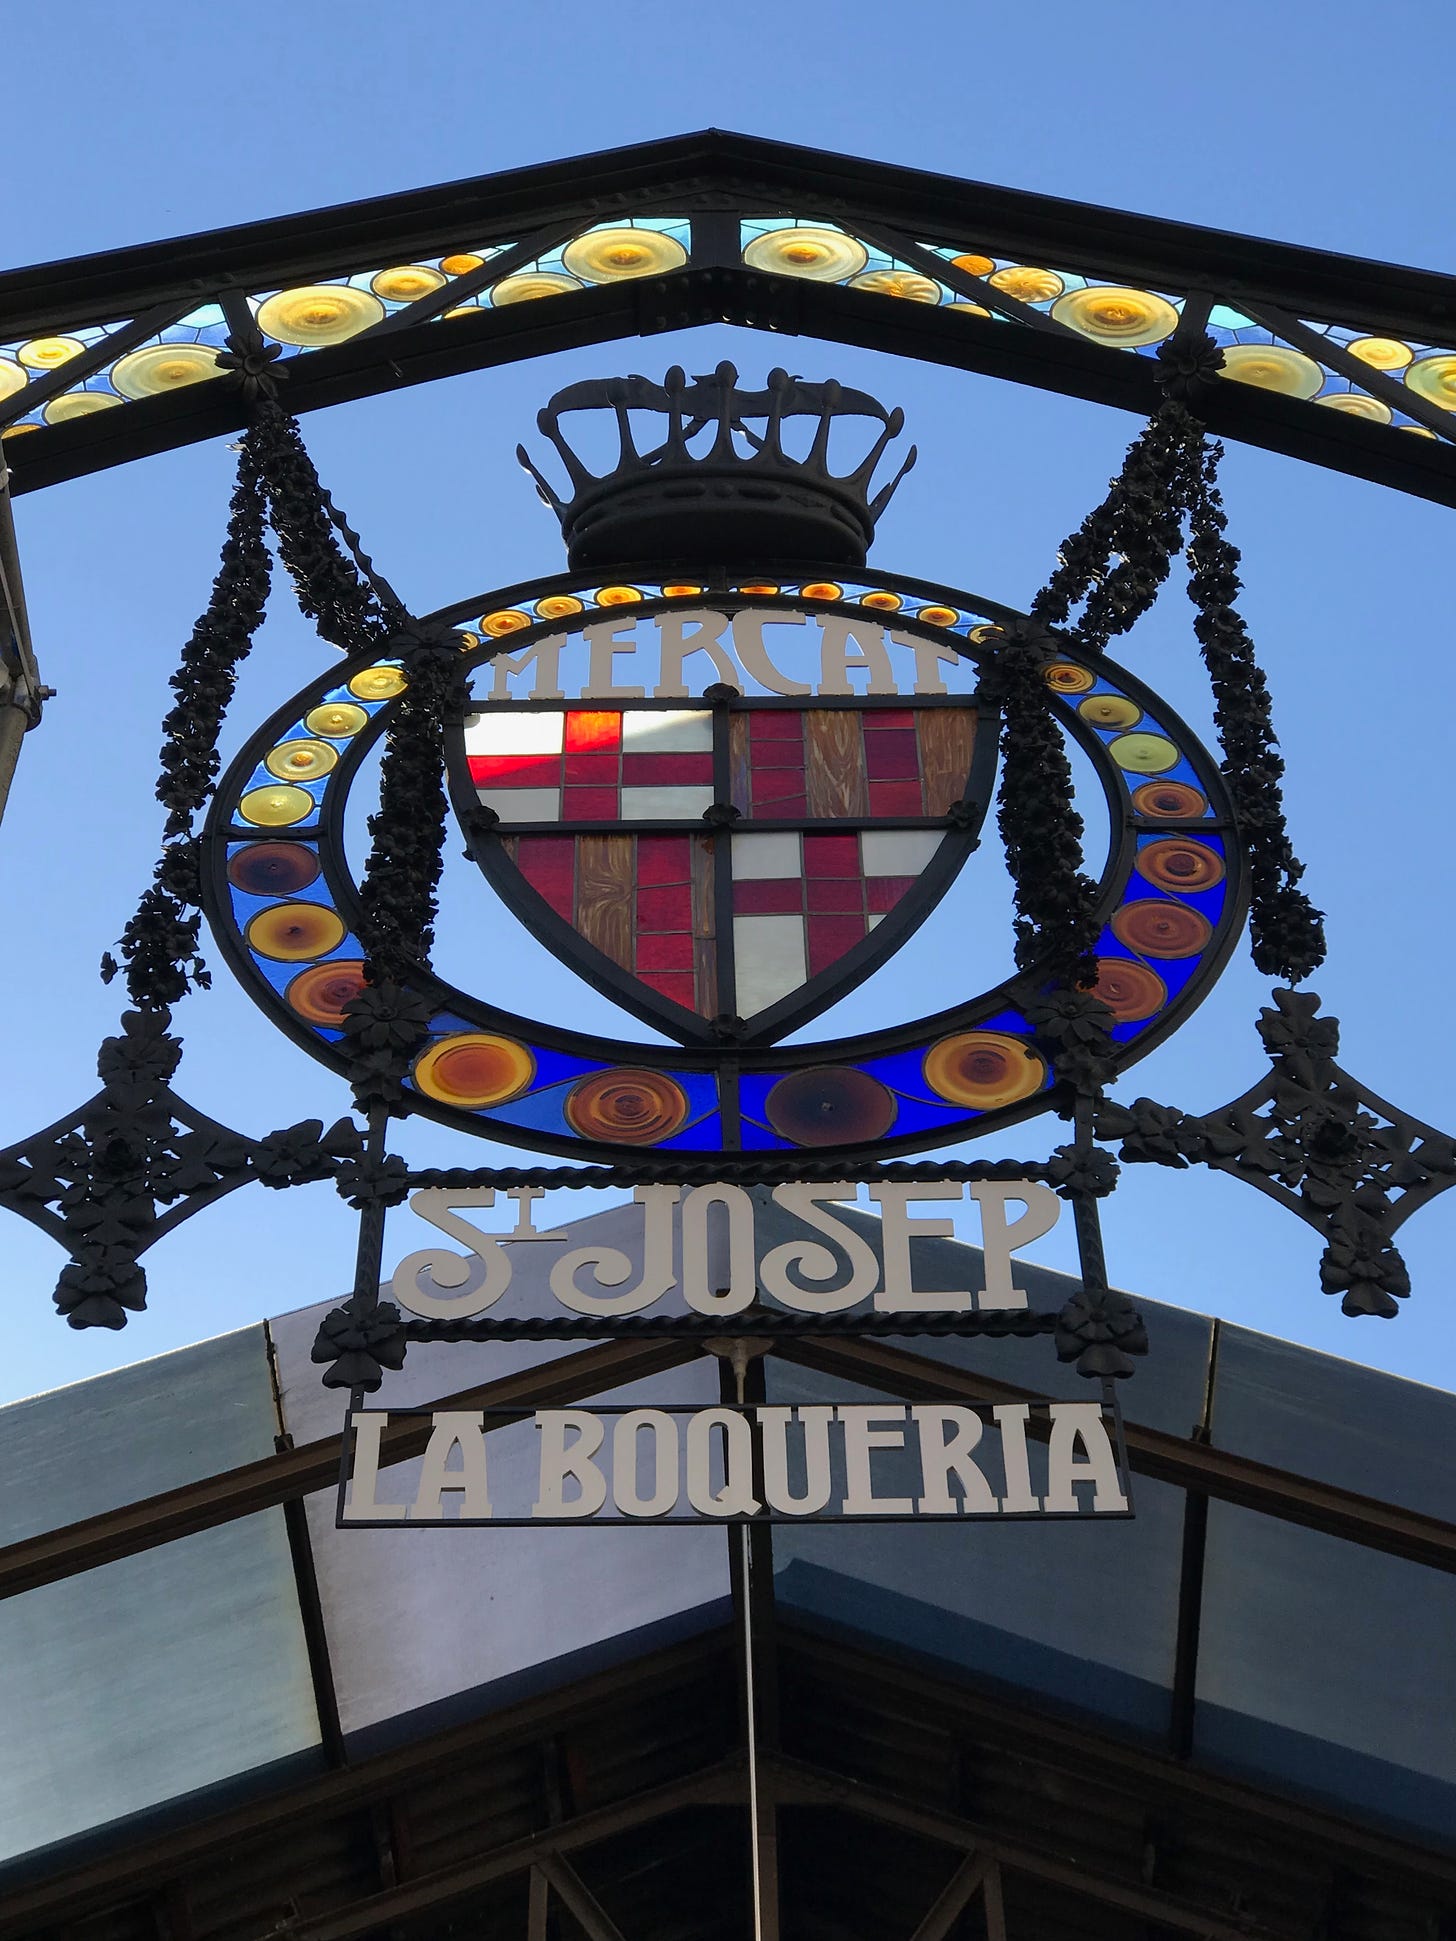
662	1434
869	1425
1074	1422
678	646
606	641
433	1203
997	1238
898	1294
748	640
774	1428
363	1503
560	1459
836	665
547	656
948	1434
736	1497
814	1262
612	1266
698	1290
1019	1499
452	1427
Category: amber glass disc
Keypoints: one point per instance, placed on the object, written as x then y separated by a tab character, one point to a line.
318	314
473	1069
301	761
1130	991
461	263
623	1107
1120	316
831	1105
610	255
1355	404
938	616
1109	711
969	309
378	684
336	719
898	283
276	807
825	255
509	620
1168	799
1382	353
1433	378
823	590
974	265
1026	284
1273	367
407	284
1143	754
558	606
46	353
618	596
1064	676
882	601
157	368
76	404
1180	863
273	868
682	592
531	284
320	994
291	933
983	1069
1156	929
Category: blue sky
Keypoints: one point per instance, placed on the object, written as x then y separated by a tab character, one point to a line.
126	125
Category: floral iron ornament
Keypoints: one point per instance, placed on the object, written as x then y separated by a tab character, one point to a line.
1315	1140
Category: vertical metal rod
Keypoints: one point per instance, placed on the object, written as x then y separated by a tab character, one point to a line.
750	1702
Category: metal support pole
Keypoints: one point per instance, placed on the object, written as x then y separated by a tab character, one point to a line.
21	693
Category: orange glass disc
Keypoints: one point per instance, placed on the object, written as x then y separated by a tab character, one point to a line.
472	1069
291	933
320	993
984	1069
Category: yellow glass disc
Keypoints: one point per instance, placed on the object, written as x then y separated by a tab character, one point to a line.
824	255
1026	284
1273	367
1355	404
609	255
378	684
898	283
45	353
983	1069
291	933
12	378
1434	378
682	592
1117	315
472	1069
464	310
336	719
938	616
509	620
1143	754
76	404
823	590
1109	711
618	596
987	631
301	761
884	601
974	265
558	606
1065	677
14	431
275	808
163	367
1421	431
318	314
460	264
531	284
468	640
758	586
407	284
1382	353
972	309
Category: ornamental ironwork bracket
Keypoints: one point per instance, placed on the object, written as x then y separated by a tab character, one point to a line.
1316	1140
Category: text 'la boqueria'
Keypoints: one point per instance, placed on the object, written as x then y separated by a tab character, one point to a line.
854	1461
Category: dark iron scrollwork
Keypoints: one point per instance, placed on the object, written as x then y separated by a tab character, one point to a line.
1317	1141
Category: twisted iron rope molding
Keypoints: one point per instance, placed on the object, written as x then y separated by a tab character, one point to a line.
749	1324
